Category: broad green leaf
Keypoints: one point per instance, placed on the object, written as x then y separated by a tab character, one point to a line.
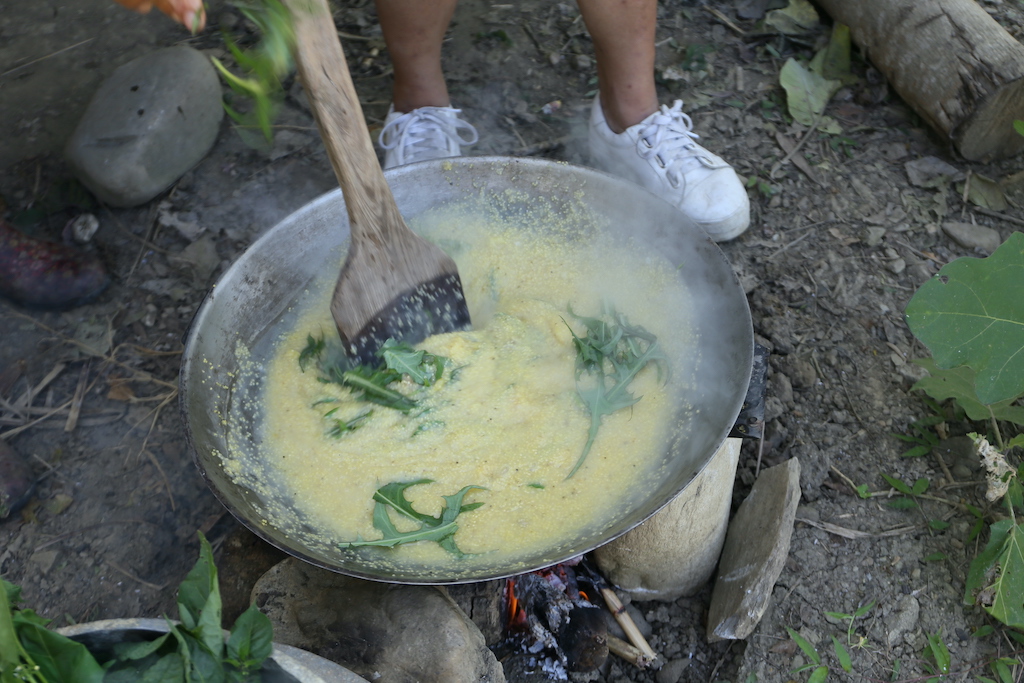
129	651
938	524
9	656
902	503
802	643
842	655
916	451
199	604
996	576
920	486
971	313
1000	668
983	631
958	384
58	657
807	93
251	639
976	574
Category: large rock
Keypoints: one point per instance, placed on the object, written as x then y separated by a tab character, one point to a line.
755	552
151	121
386	632
674	552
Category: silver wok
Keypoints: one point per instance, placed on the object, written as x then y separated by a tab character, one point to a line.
253	301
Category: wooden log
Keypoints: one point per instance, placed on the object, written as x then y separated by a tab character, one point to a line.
952	62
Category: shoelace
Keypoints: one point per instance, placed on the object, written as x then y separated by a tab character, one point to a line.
421	132
669	138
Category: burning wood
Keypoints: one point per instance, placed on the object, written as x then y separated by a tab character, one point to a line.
553	626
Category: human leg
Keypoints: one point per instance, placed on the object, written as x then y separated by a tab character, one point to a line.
414	31
421	124
630	136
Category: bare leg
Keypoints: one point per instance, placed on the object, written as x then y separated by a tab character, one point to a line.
623	33
414	31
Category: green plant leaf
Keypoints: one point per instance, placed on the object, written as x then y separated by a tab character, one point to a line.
920	486
439	529
251	640
938	524
610	355
199	604
897	484
995	579
802	643
971	314
902	503
939	652
422	367
59	658
807	93
818	675
983	631
842	655
864	609
1000	668
958	384
934	557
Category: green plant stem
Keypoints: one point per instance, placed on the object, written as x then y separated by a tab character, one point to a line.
999	436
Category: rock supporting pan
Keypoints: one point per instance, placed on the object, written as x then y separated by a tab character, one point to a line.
253	299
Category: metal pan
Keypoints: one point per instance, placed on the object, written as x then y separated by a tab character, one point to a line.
237	325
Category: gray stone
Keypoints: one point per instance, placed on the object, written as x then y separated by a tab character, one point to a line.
394	633
151	121
970	236
904	620
674	552
755	552
672	671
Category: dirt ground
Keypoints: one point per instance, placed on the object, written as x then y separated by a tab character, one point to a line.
828	266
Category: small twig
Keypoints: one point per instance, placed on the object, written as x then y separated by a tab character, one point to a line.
76	401
352	36
725	20
112	565
997	214
91	527
29	396
628	652
540	147
167	484
945	468
618	610
792	152
39	59
18	430
787	246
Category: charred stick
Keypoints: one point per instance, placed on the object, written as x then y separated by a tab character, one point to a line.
628	652
626	622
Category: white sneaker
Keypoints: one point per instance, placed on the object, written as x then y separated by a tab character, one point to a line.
660	154
424	133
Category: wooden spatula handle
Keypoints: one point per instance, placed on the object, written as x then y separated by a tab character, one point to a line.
332	96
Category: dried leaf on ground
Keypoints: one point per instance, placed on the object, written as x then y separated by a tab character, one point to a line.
984	192
807	93
94	337
799	17
931	172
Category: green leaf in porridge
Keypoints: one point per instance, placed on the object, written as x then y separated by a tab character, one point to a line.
608	357
440	529
373	383
421	367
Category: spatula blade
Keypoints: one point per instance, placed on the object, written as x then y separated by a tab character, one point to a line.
433	307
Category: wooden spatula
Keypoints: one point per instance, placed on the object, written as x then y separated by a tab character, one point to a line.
393	283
